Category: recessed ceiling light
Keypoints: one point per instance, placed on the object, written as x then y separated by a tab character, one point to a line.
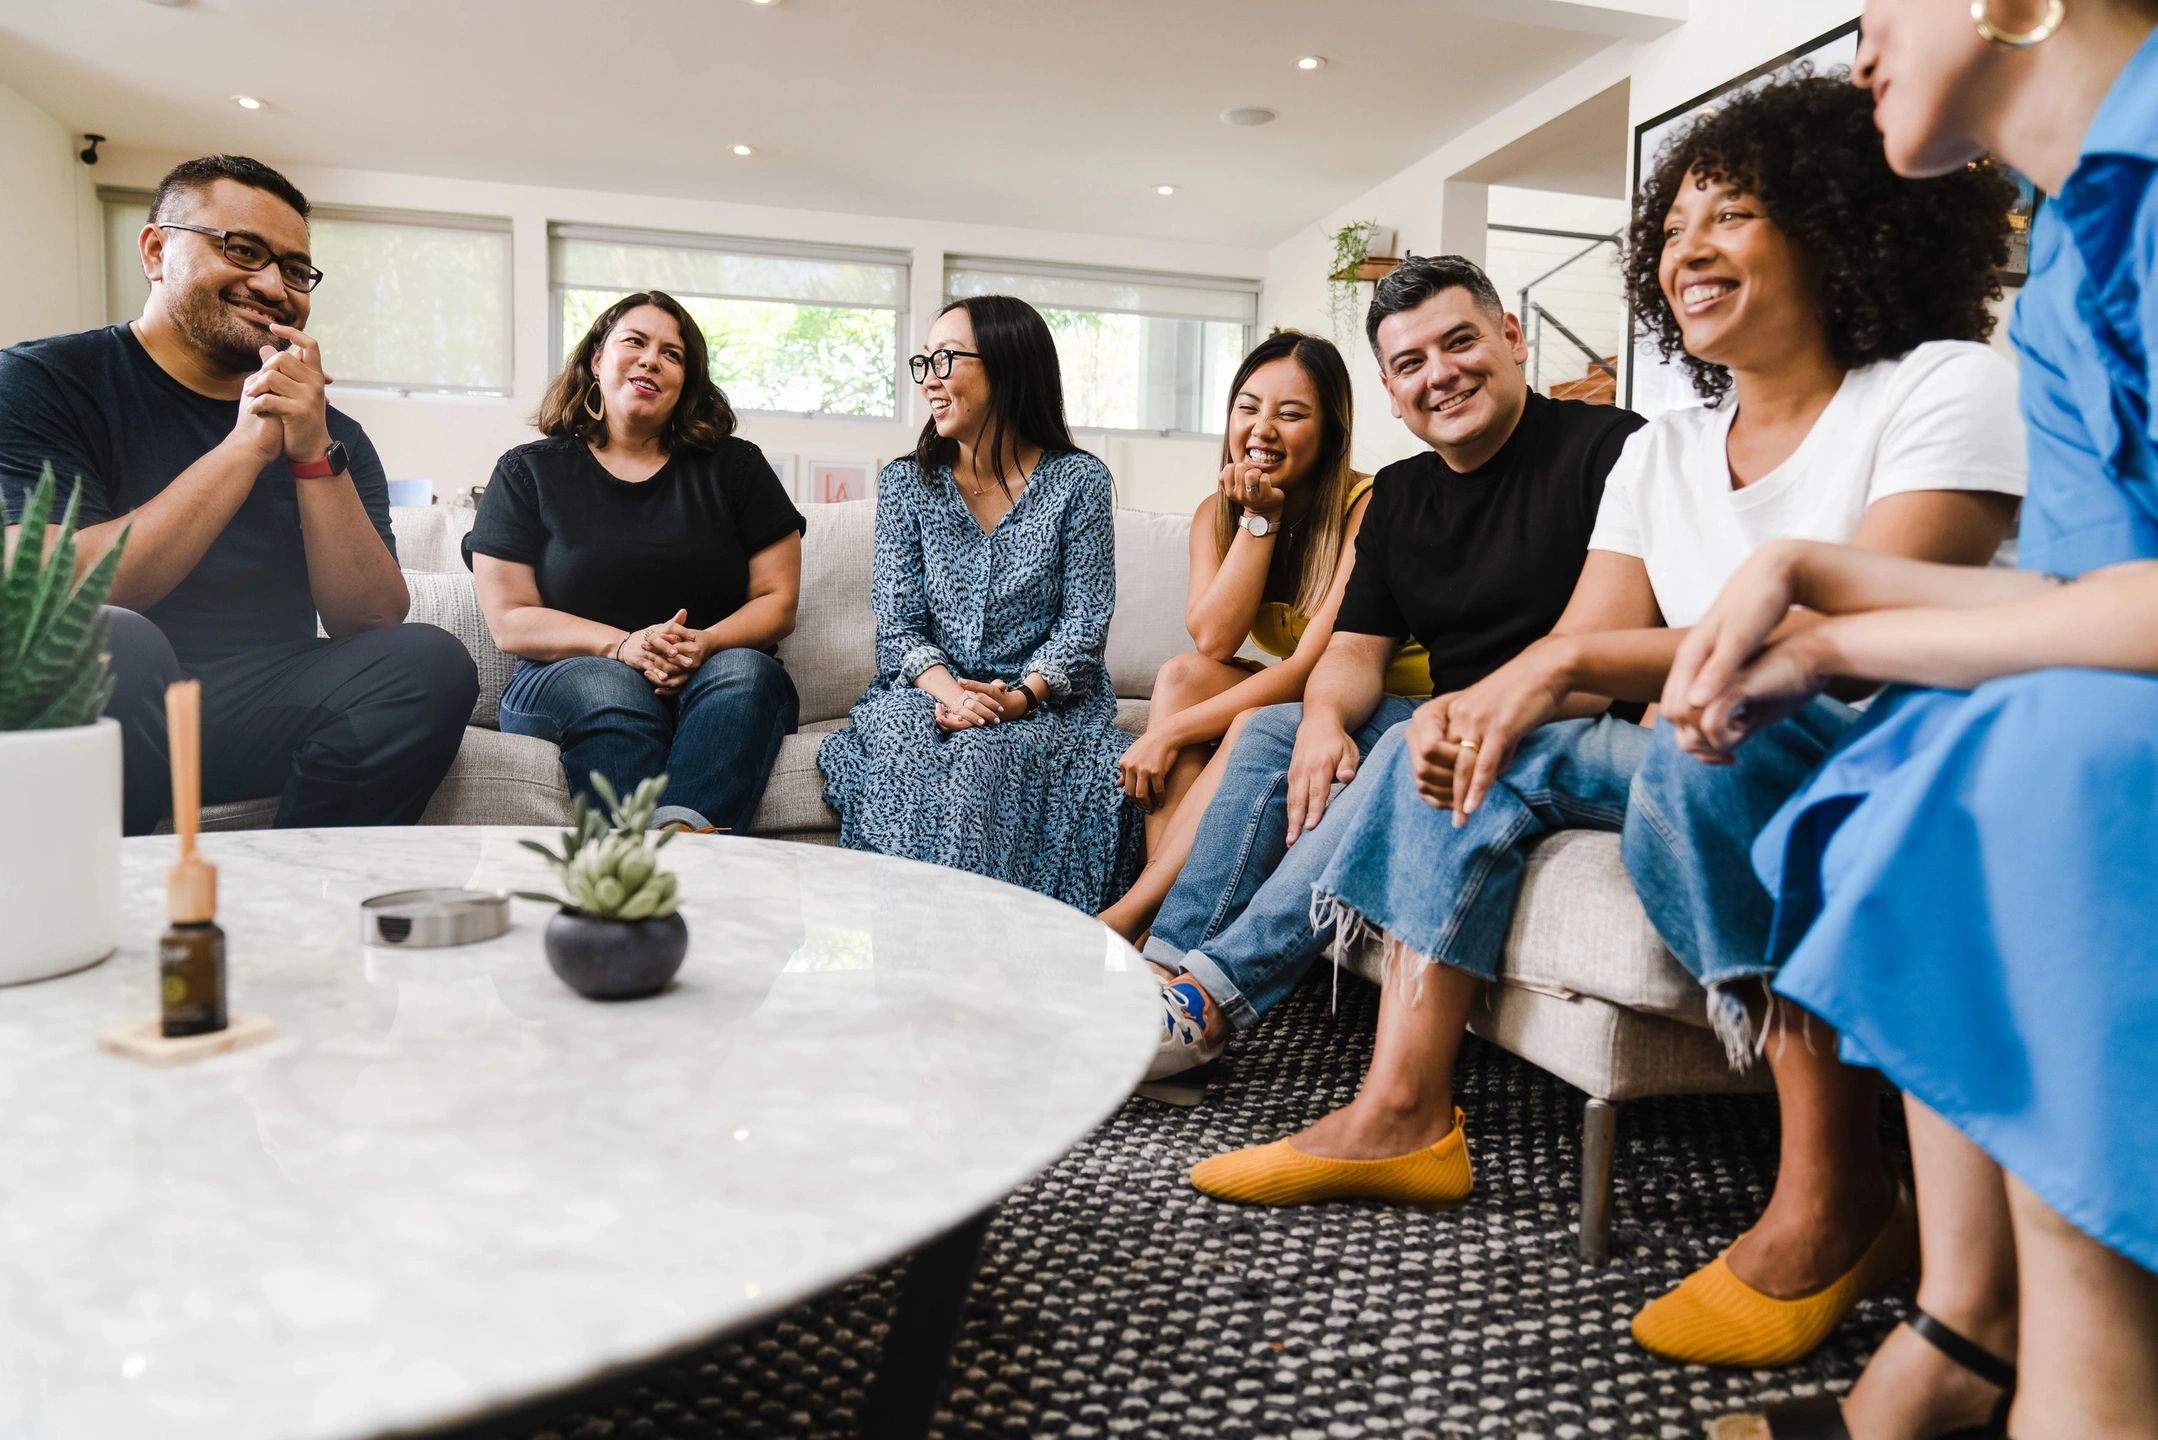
247	102
766	4
745	149
1164	189
1312	62
1248	115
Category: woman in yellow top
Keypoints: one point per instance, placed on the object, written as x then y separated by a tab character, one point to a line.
1270	555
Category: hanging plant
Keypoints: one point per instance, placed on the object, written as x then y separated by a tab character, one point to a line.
1352	247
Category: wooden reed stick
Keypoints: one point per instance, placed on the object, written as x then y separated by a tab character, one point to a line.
183	743
191	887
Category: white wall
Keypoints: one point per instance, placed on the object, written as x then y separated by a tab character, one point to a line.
455	441
43	289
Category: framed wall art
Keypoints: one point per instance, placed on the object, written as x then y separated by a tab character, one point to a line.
830	482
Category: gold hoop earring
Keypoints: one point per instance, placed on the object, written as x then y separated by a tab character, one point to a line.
593	405
2056	11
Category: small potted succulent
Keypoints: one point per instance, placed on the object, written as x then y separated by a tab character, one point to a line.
617	934
59	762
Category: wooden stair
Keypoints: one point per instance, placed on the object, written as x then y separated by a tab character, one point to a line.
1594	388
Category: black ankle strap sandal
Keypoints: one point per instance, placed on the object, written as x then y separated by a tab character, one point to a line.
1821	1417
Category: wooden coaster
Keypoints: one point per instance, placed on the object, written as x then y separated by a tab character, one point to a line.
141	1040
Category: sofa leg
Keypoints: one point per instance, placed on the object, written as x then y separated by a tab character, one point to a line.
1599	1137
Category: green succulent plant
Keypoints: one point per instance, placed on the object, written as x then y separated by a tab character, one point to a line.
610	864
54	671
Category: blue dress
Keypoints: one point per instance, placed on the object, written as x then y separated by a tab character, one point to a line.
1033	801
1976	873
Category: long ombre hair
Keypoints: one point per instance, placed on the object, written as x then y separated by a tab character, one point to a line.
702	417
1313	554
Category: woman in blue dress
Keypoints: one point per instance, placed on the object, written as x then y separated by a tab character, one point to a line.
988	740
1973	869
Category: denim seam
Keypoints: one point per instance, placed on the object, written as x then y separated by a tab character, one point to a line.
1661	831
527	717
1479	874
1245	842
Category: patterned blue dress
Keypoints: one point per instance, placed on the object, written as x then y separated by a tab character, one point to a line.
1033	801
1976	873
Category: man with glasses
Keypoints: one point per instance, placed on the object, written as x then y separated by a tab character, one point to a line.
250	508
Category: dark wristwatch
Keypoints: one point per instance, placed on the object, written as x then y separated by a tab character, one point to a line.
331	463
1021	687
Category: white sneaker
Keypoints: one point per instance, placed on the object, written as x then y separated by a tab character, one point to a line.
1183	1031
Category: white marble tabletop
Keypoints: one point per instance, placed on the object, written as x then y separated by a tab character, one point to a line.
450	1183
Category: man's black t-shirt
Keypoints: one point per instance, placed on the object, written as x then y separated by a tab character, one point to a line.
631	553
97	406
1478	566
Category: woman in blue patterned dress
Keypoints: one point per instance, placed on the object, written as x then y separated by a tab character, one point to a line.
988	740
1972	870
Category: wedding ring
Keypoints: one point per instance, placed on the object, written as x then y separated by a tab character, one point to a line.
1465	744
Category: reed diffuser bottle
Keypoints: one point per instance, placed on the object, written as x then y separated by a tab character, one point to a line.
191	952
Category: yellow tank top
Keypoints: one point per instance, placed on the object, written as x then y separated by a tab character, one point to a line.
1279	626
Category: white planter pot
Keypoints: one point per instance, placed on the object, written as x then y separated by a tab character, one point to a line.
59	849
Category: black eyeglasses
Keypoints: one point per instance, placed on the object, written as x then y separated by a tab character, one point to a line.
940	361
251	254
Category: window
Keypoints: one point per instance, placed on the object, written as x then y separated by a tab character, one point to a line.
804	329
415	302
1139	352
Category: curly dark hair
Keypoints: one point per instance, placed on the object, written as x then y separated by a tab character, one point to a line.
1898	262
702	417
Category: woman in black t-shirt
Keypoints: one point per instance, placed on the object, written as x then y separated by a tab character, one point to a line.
641	562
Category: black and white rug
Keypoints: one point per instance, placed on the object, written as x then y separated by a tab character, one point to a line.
1113	1300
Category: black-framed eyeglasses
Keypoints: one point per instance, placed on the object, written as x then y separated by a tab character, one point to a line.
940	361
251	254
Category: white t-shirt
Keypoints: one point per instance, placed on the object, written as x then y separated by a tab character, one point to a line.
1942	417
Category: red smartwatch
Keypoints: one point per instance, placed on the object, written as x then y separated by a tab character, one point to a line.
331	463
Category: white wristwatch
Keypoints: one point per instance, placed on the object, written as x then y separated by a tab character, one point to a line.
1257	524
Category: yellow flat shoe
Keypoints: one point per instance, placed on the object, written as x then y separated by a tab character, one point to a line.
1280	1174
1715	1318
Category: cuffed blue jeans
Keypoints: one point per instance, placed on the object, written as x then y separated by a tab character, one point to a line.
715	739
1688	846
1686	831
1239	916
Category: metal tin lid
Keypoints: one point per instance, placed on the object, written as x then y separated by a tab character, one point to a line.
415	919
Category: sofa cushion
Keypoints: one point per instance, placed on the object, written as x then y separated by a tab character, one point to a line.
832	653
431	537
1578	930
500	779
445	599
1153	569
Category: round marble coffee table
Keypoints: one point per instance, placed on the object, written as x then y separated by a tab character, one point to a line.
449	1184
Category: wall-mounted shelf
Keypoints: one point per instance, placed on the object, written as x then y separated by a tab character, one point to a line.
1375	267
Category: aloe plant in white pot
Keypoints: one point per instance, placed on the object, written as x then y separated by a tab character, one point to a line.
59	762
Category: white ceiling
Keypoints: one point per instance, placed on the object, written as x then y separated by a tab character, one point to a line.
1056	114
1582	152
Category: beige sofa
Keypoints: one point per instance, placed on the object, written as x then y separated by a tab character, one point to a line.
1588	993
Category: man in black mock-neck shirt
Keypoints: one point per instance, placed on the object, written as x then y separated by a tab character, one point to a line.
250	507
1473	548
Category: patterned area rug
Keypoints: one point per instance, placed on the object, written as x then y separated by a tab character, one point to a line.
1114	1300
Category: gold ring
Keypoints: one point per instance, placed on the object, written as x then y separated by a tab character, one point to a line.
1465	744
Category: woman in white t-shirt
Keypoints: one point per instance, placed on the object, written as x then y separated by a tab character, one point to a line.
1848	399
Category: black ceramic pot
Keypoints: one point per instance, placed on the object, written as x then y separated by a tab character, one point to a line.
615	959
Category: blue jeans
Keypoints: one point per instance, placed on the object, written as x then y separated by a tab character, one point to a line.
1245	893
1686	830
1447	894
715	739
1688	845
